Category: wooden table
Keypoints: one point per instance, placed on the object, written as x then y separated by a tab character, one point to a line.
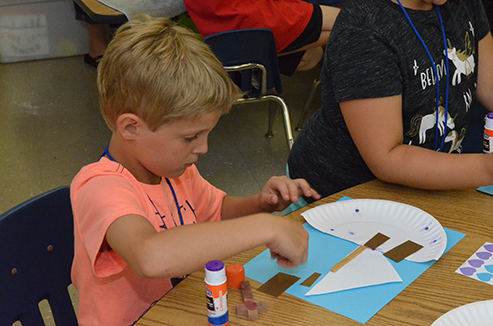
438	290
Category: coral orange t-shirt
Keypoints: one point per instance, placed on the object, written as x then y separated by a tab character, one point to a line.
287	19
110	292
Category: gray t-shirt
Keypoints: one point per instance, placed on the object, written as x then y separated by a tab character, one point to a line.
373	52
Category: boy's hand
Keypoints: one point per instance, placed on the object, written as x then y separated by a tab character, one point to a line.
290	243
279	192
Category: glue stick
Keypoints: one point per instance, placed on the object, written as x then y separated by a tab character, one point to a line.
488	134
216	292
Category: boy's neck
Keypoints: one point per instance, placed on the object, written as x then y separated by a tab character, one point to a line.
415	4
141	174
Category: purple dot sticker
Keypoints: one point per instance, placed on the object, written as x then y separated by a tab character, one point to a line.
432	242
483	255
425	228
468	271
475	262
489	247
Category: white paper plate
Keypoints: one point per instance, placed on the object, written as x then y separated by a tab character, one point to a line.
477	313
358	220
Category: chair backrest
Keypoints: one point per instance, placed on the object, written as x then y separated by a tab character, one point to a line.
36	253
254	45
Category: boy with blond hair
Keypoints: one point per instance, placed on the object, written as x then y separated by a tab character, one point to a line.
140	210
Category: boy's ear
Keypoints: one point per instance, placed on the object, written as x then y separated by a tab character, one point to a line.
128	125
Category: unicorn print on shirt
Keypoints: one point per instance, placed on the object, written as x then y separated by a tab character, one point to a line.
463	60
468	99
462	66
420	124
456	139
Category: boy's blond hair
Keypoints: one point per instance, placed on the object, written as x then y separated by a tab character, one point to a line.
161	73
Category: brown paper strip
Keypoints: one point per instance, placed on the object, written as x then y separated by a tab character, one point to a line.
278	284
309	281
403	250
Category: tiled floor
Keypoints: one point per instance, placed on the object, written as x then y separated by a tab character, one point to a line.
50	127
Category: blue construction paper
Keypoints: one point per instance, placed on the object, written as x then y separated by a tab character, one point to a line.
486	189
325	251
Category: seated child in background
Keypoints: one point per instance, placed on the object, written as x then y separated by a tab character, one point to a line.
140	210
380	108
300	28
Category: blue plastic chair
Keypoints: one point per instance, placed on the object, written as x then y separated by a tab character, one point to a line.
250	57
36	253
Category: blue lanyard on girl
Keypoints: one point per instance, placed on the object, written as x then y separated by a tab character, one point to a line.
436	75
107	153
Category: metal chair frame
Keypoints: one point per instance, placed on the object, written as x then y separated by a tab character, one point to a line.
264	98
265	94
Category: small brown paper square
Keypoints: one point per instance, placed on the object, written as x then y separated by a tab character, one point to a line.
309	281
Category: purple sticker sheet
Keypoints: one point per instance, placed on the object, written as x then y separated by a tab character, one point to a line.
480	265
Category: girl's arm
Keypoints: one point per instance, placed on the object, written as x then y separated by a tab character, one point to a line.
484	92
376	128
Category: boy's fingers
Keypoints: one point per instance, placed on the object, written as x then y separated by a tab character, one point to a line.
294	192
292	189
295	189
307	191
293	257
287	192
273	200
288	263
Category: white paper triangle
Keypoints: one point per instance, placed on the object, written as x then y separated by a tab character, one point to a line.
369	268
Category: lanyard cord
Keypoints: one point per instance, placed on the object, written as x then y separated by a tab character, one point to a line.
176	200
436	75
107	153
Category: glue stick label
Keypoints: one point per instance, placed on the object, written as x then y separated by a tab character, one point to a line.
488	141
217	305
488	134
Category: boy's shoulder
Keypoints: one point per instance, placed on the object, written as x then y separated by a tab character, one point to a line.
103	167
99	169
108	168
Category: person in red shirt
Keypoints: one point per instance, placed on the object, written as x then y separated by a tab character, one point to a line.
300	28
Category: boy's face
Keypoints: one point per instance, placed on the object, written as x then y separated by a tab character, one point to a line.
175	146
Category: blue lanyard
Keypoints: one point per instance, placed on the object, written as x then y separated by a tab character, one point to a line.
107	153
176	200
436	75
